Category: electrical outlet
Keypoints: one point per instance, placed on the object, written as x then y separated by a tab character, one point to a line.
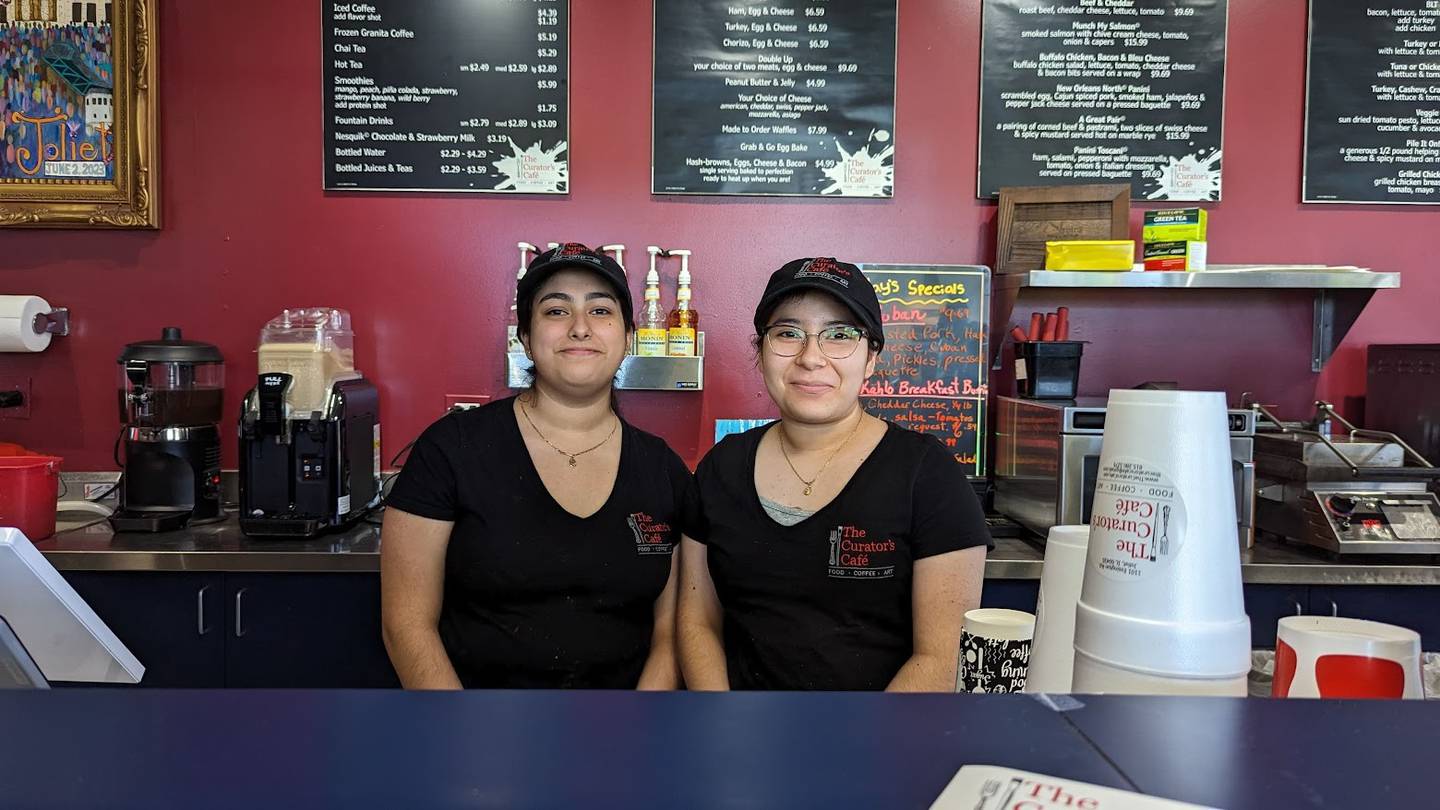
93	491
465	401
88	485
22	385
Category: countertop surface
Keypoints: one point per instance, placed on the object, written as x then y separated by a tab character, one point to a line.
1264	753
219	546
222	547
130	748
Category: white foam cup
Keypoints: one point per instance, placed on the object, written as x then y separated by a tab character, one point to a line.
1052	655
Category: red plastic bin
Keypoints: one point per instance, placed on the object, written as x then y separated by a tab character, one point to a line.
28	486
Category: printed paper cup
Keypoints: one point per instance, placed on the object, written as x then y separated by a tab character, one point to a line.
1333	657
995	650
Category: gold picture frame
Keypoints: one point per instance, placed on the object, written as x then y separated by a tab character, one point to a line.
79	124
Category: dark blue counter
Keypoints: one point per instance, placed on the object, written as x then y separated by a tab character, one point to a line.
1261	753
137	748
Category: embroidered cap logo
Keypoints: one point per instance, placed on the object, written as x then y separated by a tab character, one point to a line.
826	268
575	250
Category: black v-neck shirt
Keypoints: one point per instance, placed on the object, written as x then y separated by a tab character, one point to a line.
536	597
825	604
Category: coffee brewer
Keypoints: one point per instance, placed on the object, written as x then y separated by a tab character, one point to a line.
309	430
171	402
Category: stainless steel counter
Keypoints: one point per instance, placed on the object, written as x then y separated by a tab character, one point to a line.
212	547
221	547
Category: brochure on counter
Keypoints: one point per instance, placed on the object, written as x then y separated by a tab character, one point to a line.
987	787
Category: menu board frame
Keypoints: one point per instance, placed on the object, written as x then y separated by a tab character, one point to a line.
1305	185
1139	191
327	111
893	135
980	309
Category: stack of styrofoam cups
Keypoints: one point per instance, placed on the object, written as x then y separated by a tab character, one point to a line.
1052	657
1161	610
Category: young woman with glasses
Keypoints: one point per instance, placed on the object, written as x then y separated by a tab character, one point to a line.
834	550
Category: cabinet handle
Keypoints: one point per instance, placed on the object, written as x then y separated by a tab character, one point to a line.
1334	608
200	627
239	607
1299	611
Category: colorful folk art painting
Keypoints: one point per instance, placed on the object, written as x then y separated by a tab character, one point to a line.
57	92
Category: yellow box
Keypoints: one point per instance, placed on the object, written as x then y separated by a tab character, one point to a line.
1176	225
1109	255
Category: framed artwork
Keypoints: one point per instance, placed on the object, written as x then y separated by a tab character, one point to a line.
78	117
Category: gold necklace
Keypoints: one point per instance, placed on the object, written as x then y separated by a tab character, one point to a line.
809	485
571	456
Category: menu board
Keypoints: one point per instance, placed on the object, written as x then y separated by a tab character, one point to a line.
447	95
774	98
1120	91
932	372
1372	113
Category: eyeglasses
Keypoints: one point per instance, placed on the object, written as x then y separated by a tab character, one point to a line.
835	342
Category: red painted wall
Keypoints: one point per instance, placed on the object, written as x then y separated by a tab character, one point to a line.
428	278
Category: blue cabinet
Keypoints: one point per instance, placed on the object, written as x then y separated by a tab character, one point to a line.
172	622
245	630
1414	606
1015	594
1267	604
305	630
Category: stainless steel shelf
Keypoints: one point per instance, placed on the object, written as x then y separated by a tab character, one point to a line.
636	373
1218	277
1340	293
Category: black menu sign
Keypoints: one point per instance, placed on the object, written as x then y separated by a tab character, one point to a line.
1372	115
795	97
1119	91
932	372
447	95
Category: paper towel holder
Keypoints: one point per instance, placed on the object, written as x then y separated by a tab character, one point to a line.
55	322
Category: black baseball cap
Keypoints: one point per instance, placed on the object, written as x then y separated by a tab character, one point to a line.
580	257
840	279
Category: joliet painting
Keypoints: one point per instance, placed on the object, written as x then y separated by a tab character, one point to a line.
77	114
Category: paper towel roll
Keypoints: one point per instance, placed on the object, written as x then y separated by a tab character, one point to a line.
17	323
